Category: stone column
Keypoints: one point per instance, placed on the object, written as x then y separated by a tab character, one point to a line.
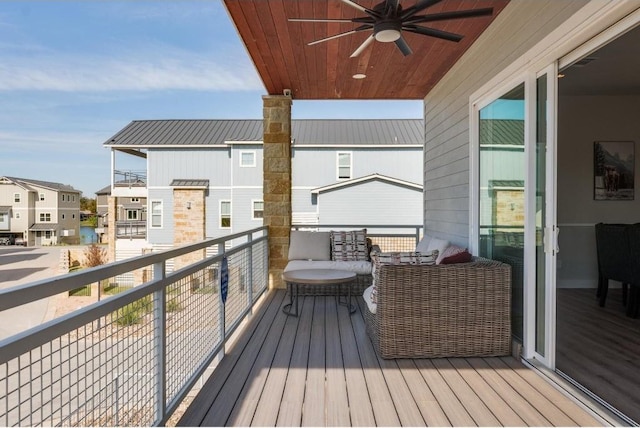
277	182
188	222
112	203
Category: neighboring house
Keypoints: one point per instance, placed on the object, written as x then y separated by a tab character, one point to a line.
131	214
374	166
39	212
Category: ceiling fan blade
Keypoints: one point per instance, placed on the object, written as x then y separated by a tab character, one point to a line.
403	46
335	36
363	46
418	7
356	5
433	32
450	15
317	20
392	6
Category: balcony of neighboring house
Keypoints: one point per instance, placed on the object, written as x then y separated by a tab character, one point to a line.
129	183
131	229
198	339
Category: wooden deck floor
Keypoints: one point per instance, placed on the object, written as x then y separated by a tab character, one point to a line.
321	370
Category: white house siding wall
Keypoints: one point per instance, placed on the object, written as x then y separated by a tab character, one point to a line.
164	234
166	165
317	167
247	176
242	210
217	194
582	121
21	209
386	203
521	25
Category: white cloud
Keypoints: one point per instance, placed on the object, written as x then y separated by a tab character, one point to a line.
167	70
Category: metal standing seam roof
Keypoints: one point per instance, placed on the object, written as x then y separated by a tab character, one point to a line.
157	133
44	226
27	182
190	183
506	132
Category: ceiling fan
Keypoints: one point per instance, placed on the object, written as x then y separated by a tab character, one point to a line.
388	20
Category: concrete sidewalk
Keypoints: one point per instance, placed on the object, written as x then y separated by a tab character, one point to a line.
19	266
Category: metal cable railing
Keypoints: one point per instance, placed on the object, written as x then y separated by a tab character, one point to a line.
130	358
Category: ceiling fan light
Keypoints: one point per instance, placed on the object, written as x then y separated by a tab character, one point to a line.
387	36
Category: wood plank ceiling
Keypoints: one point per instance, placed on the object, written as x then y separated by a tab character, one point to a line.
324	71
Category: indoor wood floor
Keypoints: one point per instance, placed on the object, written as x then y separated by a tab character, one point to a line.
321	370
600	347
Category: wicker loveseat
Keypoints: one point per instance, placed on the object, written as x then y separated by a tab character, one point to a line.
428	311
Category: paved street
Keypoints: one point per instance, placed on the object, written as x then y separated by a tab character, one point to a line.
18	266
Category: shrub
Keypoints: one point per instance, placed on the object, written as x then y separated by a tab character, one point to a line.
133	312
95	255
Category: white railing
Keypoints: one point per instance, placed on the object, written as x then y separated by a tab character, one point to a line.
131	358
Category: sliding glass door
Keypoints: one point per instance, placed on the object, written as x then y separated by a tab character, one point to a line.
501	190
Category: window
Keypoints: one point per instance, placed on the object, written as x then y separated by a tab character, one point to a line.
63	216
344	165
132	214
135	199
258	210
42	196
73	216
156	213
16	197
47	234
45	216
17	215
2	219
225	214
247	158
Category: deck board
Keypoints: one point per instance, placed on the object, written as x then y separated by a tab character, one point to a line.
290	412
314	407
529	414
321	369
483	390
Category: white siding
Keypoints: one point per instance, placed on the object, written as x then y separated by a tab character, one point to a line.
373	203
165	165
317	167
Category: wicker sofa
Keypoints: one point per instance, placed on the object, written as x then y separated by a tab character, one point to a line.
454	310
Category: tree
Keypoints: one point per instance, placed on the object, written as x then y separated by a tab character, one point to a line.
88	204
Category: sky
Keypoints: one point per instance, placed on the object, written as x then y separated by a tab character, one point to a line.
74	73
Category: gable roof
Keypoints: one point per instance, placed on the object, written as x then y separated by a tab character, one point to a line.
367	178
205	132
26	183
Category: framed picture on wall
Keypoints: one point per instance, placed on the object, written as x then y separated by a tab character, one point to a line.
613	170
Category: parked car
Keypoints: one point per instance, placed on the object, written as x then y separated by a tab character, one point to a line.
5	240
20	241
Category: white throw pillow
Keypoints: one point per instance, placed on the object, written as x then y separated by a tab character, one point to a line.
305	245
423	245
440	245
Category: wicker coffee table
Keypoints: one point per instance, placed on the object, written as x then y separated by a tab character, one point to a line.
298	278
